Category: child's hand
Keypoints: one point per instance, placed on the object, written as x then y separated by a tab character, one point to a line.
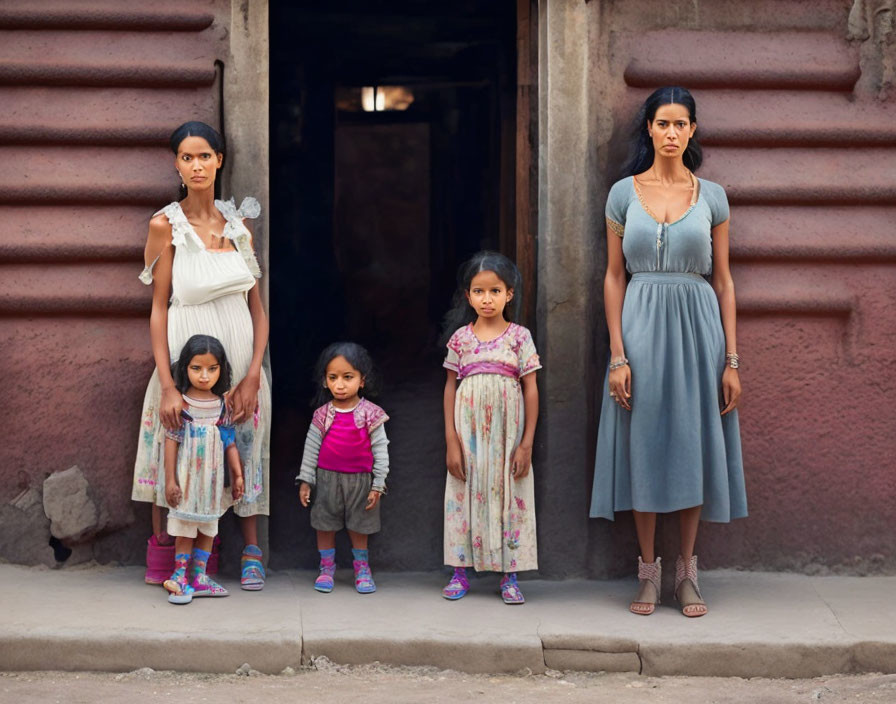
236	490
455	461
172	494
373	498
305	494
520	462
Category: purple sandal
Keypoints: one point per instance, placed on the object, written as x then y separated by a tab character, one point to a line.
457	586
510	590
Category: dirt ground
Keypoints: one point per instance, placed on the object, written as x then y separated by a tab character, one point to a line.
327	683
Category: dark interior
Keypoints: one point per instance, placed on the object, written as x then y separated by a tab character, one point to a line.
392	137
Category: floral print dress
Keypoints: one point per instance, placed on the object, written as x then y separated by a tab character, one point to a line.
490	517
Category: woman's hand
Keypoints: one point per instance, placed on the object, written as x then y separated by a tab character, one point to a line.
373	499
521	461
172	494
455	460
730	389
243	398
236	489
170	407
620	383
305	494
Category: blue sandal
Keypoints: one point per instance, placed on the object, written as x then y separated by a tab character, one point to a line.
252	575
363	578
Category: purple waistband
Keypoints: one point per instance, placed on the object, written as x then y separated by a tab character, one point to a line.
489	368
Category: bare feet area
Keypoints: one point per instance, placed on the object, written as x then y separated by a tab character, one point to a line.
326	682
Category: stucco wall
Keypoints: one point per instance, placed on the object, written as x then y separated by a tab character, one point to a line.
90	91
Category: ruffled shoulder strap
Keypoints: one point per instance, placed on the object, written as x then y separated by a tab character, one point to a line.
182	234
237	231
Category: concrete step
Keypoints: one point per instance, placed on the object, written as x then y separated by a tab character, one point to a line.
759	625
742	60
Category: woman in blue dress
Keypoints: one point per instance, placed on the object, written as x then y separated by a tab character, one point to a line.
669	439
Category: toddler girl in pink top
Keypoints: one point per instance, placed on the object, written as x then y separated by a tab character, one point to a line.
346	461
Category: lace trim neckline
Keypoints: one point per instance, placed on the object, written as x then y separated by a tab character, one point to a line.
696	190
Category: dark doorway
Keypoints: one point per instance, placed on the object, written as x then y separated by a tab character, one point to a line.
392	160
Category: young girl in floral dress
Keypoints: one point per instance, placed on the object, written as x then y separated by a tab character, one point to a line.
489	429
199	456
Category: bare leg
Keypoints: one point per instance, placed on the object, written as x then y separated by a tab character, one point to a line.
689	521
249	527
156	520
645	526
359	540
204	542
326	539
183	545
159	515
686	592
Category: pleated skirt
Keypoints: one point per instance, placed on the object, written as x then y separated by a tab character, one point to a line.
673	450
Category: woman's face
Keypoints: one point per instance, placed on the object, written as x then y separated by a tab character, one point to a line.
197	163
671	130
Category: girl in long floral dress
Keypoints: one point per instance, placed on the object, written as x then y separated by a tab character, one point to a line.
490	421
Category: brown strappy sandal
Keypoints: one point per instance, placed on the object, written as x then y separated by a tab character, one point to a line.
687	590
649	575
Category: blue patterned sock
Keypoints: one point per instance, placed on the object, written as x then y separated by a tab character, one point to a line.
327	554
360	555
198	563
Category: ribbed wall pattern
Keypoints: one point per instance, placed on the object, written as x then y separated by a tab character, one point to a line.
807	162
89	92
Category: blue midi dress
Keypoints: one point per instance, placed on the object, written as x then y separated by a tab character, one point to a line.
673	450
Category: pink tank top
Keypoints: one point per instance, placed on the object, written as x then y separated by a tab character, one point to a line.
346	447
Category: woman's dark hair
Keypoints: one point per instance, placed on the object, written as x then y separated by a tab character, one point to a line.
195	128
201	344
462	312
355	355
640	154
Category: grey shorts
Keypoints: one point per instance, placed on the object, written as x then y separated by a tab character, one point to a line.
338	502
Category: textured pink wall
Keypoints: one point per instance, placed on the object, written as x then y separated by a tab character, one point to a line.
90	91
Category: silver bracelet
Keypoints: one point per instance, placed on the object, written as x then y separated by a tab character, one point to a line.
732	360
617	363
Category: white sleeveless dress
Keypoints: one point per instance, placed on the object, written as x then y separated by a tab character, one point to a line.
209	296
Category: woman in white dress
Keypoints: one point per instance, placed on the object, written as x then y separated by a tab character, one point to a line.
201	263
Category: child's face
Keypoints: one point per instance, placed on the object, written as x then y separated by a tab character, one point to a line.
204	371
343	381
488	295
